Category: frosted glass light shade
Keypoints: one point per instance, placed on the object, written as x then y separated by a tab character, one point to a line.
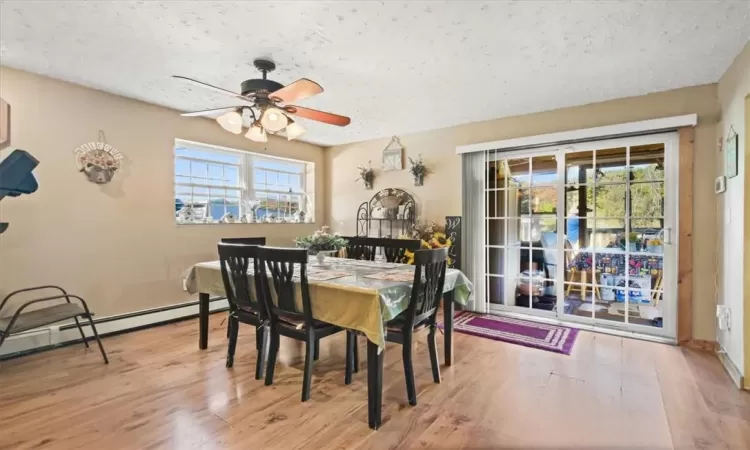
256	133
231	121
294	130
274	119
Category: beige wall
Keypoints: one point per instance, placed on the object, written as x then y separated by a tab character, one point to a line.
117	245
441	194
734	85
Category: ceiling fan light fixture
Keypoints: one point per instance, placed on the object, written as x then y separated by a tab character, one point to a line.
231	121
273	119
256	133
294	130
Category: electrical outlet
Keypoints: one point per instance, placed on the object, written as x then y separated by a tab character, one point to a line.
723	317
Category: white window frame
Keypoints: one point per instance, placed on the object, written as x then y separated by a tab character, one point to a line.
246	185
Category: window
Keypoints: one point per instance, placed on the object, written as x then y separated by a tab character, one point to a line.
212	183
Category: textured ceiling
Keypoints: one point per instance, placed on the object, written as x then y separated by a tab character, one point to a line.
394	67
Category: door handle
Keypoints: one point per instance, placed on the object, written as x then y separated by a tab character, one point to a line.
667	236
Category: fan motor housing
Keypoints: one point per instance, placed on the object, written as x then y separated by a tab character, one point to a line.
260	87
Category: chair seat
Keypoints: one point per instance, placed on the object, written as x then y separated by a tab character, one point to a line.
299	324
43	316
397	324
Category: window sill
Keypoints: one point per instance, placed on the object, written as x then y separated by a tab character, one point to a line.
192	224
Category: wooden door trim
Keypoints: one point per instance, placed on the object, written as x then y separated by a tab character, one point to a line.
685	248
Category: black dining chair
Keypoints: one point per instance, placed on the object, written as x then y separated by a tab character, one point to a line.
289	315
242	241
360	247
242	295
427	290
245	240
365	248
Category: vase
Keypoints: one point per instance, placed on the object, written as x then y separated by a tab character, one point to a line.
418	180
368	185
320	255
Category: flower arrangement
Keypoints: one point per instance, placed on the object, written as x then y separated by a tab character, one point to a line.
431	236
366	175
417	170
321	240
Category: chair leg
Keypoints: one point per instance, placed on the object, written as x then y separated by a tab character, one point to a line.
80	330
349	357
98	340
261	331
316	351
233	328
411	390
355	353
309	357
258	338
272	353
432	344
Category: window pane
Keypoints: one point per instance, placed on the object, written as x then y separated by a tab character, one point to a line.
209	155
199	170
611	165
519	172
647	199
610	200
181	167
579	167
215	175
544	170
647	162
231	175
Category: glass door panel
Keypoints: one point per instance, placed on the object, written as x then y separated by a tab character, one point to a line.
584	232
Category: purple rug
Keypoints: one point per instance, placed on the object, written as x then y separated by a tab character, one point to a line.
553	338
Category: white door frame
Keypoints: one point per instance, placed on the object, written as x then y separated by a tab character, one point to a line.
671	223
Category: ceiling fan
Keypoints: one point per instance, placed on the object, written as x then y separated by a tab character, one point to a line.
265	114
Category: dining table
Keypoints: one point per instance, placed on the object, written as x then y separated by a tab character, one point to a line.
353	294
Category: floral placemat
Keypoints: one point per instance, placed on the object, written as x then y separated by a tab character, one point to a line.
400	275
323	275
366	263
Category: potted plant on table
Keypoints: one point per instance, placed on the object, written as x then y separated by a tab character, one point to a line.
321	243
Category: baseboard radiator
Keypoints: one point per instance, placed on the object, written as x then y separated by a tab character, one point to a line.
58	335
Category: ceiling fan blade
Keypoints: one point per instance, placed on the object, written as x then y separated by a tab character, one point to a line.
320	116
215	88
206	112
299	90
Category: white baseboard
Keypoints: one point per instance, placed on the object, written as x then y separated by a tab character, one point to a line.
731	369
59	334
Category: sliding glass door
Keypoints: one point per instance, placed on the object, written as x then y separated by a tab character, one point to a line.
585	233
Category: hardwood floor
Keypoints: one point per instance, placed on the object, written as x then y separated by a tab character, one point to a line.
161	392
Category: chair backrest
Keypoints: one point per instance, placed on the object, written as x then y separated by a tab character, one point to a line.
366	247
279	266
245	240
236	260
427	288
